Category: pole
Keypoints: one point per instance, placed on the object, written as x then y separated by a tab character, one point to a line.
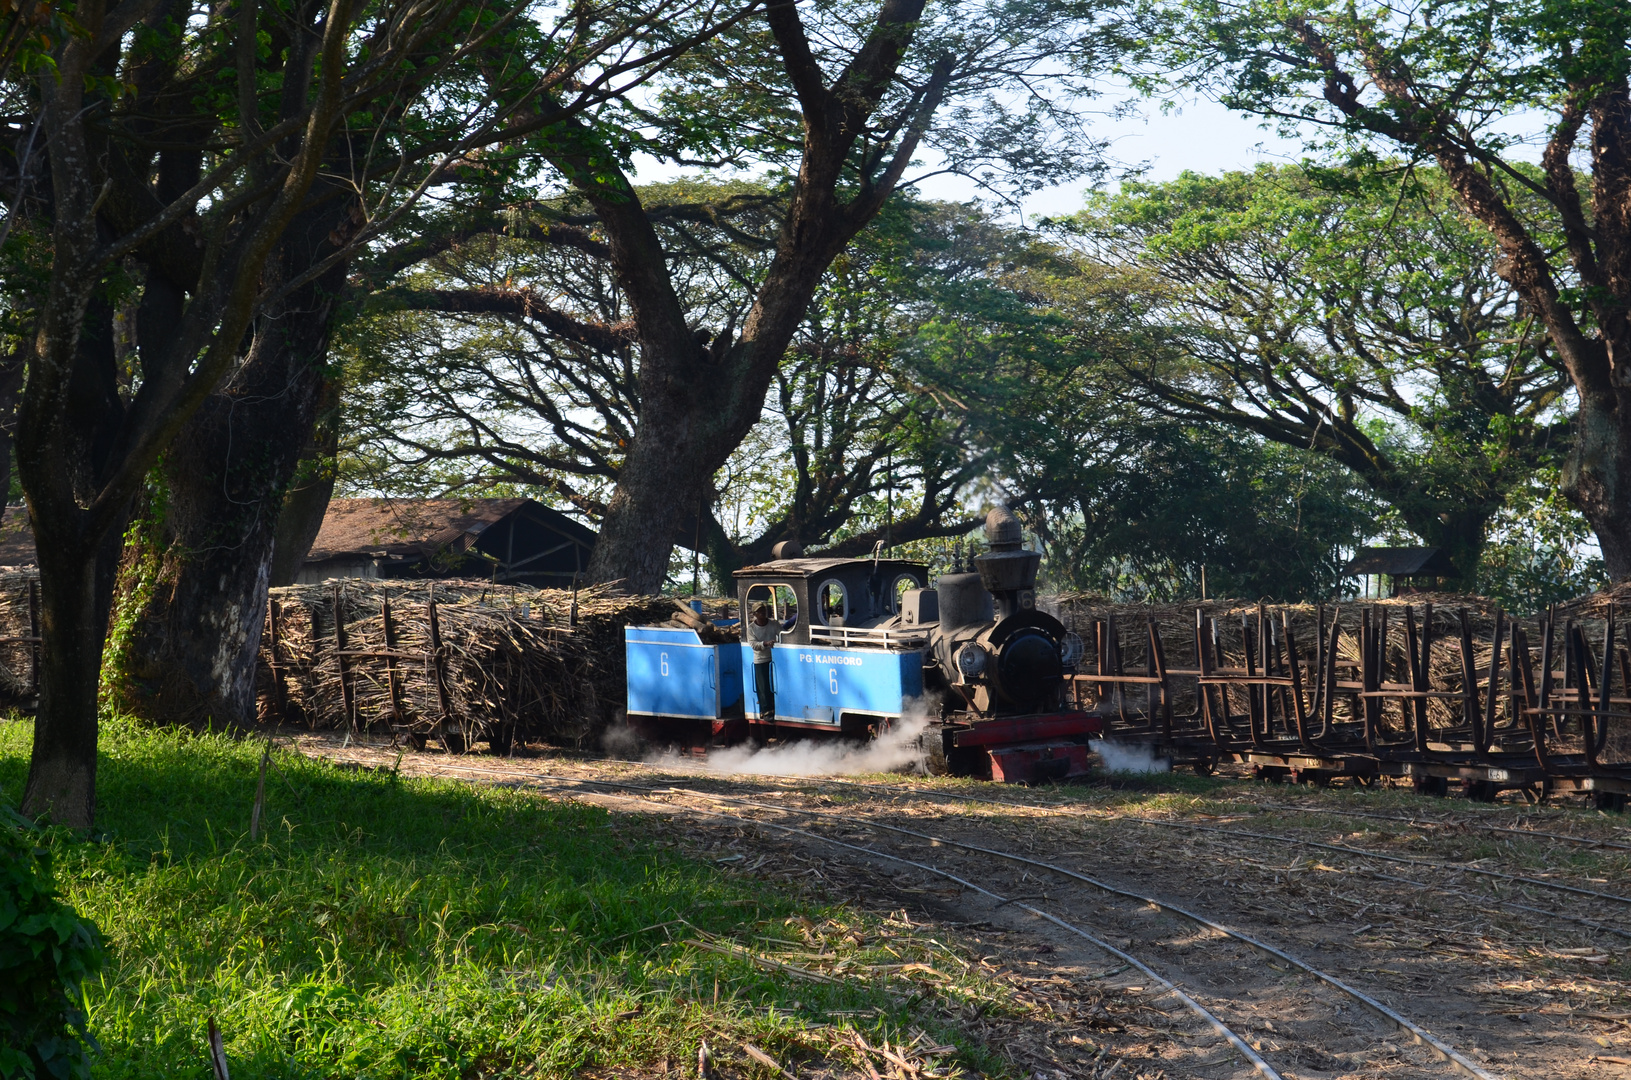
696	552
889	500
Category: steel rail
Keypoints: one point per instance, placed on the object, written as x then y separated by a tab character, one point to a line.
1584	841
1419	1034
1591	924
1263	1067
1384	856
1344	848
900	789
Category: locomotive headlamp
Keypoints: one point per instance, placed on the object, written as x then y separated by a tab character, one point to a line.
1070	650
972	660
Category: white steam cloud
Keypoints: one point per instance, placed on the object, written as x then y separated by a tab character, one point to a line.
1136	758
894	750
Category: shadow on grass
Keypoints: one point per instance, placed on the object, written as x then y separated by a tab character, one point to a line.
386	926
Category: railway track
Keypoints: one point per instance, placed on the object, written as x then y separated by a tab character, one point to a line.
1328	982
1232	1037
902	791
1347	849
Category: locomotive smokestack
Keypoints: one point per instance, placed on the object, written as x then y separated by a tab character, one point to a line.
1007	571
1002	530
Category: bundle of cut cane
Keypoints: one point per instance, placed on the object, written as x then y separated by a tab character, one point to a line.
463	660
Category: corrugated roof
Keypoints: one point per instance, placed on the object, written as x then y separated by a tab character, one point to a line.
408	528
815	565
1401	562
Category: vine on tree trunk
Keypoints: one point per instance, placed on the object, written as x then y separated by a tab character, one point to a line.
141	565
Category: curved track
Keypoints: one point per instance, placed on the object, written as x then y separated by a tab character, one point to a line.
901	790
1229	1035
1416	1032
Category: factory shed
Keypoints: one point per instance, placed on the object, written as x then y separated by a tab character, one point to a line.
508	541
1411	568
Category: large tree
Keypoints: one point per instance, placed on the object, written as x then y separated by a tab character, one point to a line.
1355	315
454	127
837	99
464	379
1468	88
182	141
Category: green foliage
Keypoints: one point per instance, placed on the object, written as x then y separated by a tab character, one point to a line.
1474	89
1355	314
1155	505
47	952
387	926
911	344
1541	551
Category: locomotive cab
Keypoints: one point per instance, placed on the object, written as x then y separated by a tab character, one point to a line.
840	662
831	600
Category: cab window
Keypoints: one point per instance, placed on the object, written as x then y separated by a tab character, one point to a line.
783	606
832	604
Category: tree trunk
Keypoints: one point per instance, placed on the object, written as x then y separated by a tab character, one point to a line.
301	519
78	559
75	597
697	403
227	494
304	507
670	465
1599	460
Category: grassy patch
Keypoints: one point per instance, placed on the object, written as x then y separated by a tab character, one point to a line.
386	926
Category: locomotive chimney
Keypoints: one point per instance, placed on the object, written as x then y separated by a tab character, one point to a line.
1007	571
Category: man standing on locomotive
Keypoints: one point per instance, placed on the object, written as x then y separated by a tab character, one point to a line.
762	635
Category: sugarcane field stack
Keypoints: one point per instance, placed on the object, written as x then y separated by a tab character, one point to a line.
1121	638
1087	615
456	660
19	637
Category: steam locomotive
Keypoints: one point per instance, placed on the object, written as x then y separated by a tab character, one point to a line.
866	646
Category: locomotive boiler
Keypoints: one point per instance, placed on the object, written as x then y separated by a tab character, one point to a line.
866	645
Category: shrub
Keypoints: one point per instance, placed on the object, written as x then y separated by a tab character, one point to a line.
46	951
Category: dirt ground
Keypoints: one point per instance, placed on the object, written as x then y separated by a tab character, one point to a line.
1405	902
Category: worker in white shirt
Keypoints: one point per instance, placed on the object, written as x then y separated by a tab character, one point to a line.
762	635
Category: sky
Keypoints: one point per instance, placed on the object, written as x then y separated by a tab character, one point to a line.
1201	136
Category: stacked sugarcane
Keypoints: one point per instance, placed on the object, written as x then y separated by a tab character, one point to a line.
1237	620
458	661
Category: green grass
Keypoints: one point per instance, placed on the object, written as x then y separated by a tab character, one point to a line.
393	927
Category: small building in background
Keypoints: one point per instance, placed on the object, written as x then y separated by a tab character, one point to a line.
1412	569
508	541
